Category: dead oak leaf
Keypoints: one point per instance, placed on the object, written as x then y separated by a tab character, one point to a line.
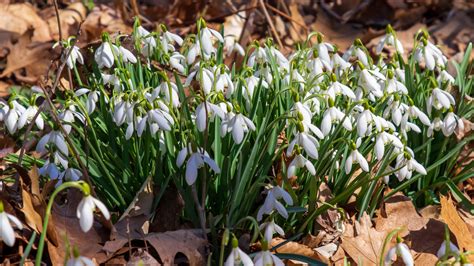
296	248
18	18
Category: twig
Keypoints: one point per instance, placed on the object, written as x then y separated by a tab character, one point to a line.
276	10
56	9
270	22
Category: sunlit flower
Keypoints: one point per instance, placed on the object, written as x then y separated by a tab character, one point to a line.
168	39
407	164
440	99
127	56
450	122
80	261
10	114
205	38
402	250
205	110
92	98
147	40
27	116
266	258
436	125
383	138
429	54
85	211
238	124
196	160
104	56
334	115
309	143
300	162
232	45
356	157
6	230
74	56
177	62
389	39
237	257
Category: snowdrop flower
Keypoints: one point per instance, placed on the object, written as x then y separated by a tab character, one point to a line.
238	124
112	80
195	161
10	114
271	202
127	56
205	38
389	39
357	51
323	49
74	56
270	228
147	40
280	59
162	118
337	62
300	162
444	76
303	139
237	257
408	165
450	122
70	174
224	81
440	99
50	169
104	56
232	45
402	250
169	90
414	112
393	85
337	88
206	79
266	258
177	62
27	116
369	83
383	138
169	38
85	211
334	115
429	54
6	230
447	249
203	111
436	125
394	109
92	98
68	117
53	137
364	122
356	157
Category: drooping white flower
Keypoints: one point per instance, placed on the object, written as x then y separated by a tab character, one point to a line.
384	138
402	250
237	257
440	99
270	228
334	115
356	157
104	56
205	38
443	249
337	88
74	56
300	162
271	202
238	124
407	164
196	160
414	112
392	85
444	76
27	116
148	42
55	138
428	53
177	62
205	110
232	45
436	125
10	114
127	56
450	122
357	51
68	116
49	169
169	90
390	40
309	143
92	98
85	211
168	39
7	234
369	83
266	258
394	110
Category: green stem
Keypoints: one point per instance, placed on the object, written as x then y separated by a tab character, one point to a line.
79	185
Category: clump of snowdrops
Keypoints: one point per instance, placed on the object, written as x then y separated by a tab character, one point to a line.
250	143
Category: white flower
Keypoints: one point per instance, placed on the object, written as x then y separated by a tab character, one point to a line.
384	138
49	169
450	122
390	40
300	162
205	38
369	83
358	52
407	164
203	111
309	143
271	202
337	88
162	118
400	249
147	40
169	90
394	109
196	161
266	258
104	56
440	99
6	230
334	115
270	228
237	257
53	137
80	261
85	211
68	117
74	56
436	125
430	54
127	56
224	81
92	98
444	76
177	62
442	251
356	157
232	45
168	39
238	124
28	115
394	86
414	112
10	114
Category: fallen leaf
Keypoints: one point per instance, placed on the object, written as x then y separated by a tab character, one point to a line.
399	211
102	19
456	225
70	18
296	248
18	18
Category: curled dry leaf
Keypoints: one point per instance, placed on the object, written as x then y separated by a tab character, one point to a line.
456	225
102	18
18	18
296	248
70	18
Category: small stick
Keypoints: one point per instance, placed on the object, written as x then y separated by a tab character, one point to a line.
270	22
286	16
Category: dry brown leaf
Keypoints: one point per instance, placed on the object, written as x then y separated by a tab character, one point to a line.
33	219
296	248
70	18
456	225
102	18
398	211
25	53
4	89
366	244
18	18
297	32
